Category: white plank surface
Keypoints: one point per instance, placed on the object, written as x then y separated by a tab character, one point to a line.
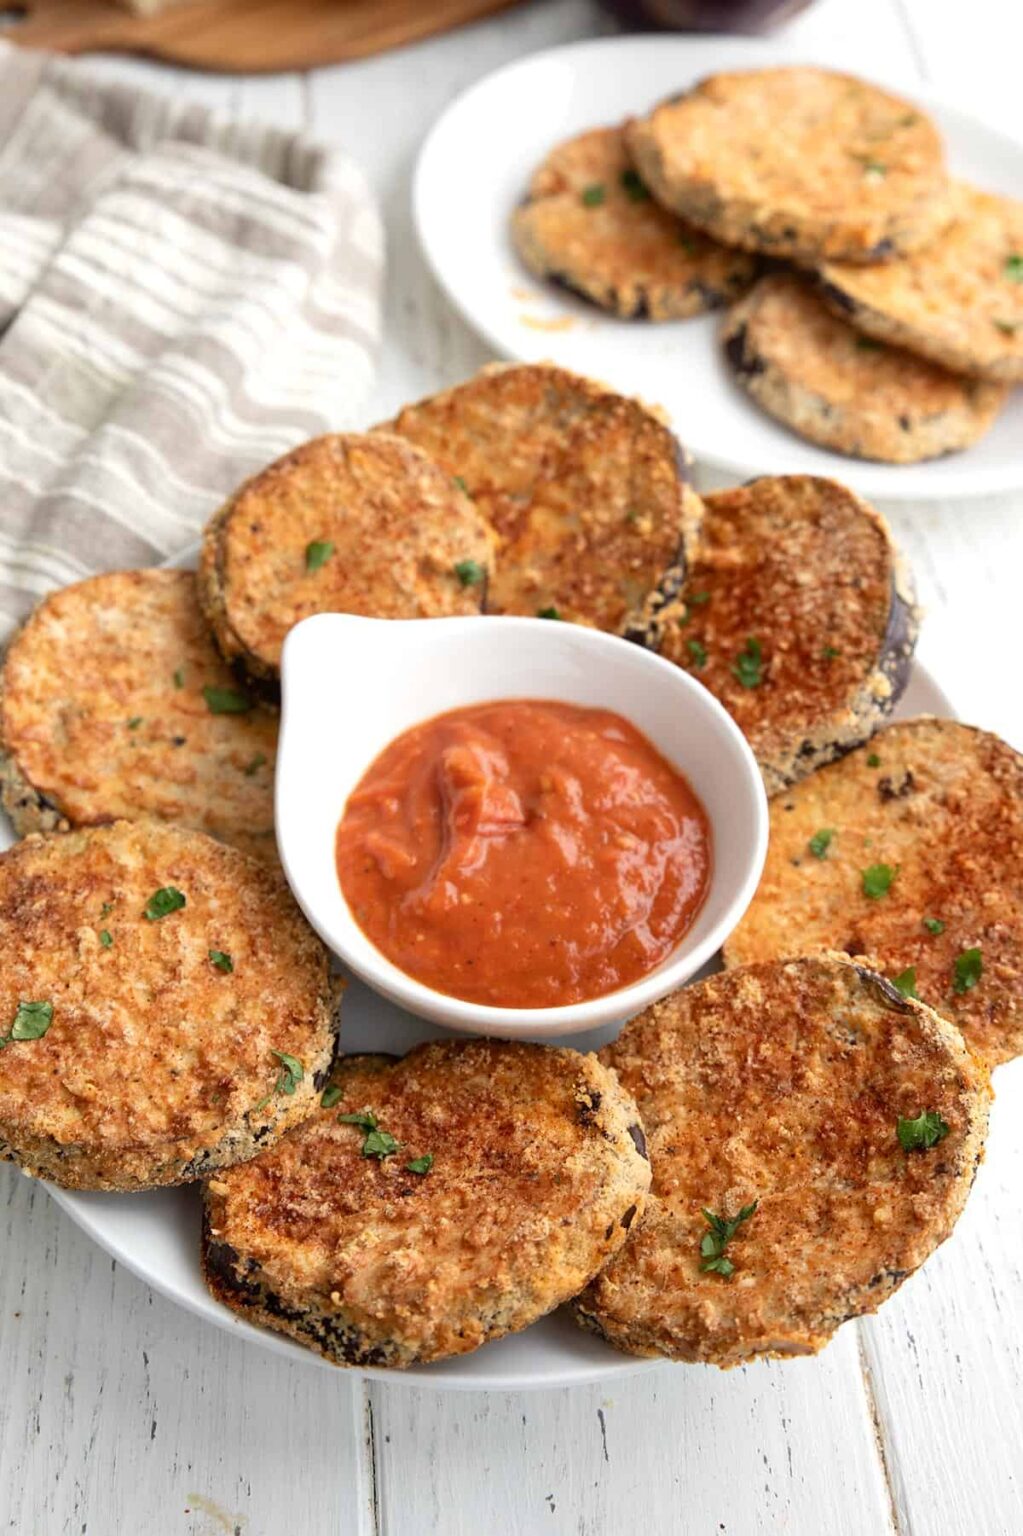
120	1413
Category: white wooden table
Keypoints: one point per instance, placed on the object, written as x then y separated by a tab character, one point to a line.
121	1414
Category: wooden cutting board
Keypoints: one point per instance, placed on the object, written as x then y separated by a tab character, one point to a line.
243	36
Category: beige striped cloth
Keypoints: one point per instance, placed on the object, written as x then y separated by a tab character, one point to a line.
182	298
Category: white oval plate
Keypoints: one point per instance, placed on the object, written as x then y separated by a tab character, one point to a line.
473	169
156	1235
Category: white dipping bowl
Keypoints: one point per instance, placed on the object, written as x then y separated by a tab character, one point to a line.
351	685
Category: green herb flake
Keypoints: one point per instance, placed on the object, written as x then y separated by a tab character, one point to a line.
593	195
291	1073
365	1119
634	187
873	761
697	599
420	1164
830	652
969	968
331	1095
698	653
226	701
106	938
107	906
379	1144
163	902
318	553
254	765
221	960
820	842
179	677
469	572
459	480
548	613
1007	327
934	925
905	982
135	722
877	880
714	1242
1014	267
262	1104
31	1021
874	170
747	668
921	1134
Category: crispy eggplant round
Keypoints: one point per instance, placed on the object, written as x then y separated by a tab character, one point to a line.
432	1204
115	703
909	852
796	613
164	1008
783	1201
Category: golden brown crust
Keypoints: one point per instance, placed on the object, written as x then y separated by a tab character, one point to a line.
797	162
808	570
820	376
535	1182
396	524
783	1084
958	301
590	224
586	489
943	805
158	1064
102	716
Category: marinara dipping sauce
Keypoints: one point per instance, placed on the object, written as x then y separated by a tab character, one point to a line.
524	853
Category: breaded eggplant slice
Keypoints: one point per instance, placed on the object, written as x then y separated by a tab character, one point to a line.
822	378
498	1180
114	702
798	614
590	224
958	302
586	489
344	524
910	852
797	162
164	1008
771	1098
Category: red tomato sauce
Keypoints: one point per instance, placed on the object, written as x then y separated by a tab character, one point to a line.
524	853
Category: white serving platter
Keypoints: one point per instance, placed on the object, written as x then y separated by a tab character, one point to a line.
474	167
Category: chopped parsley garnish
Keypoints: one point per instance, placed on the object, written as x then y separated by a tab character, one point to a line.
460	482
162	902
969	968
179	677
714	1242
548	613
634	187
420	1164
331	1095
31	1021
379	1144
1007	327
106	938
905	982
877	880
593	195
921	1134
221	960
820	842
697	599
107	906
135	722
1014	267
698	653
867	344
226	701
318	553
934	925
748	666
469	572
874	169
365	1119
291	1073
830	652
873	761
253	766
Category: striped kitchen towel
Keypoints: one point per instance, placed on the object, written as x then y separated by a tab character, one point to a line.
182	298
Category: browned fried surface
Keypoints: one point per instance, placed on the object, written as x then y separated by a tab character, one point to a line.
591	224
535	1181
157	1064
835	386
585	488
103	716
398	527
783	1084
808	570
959	301
797	162
942	806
